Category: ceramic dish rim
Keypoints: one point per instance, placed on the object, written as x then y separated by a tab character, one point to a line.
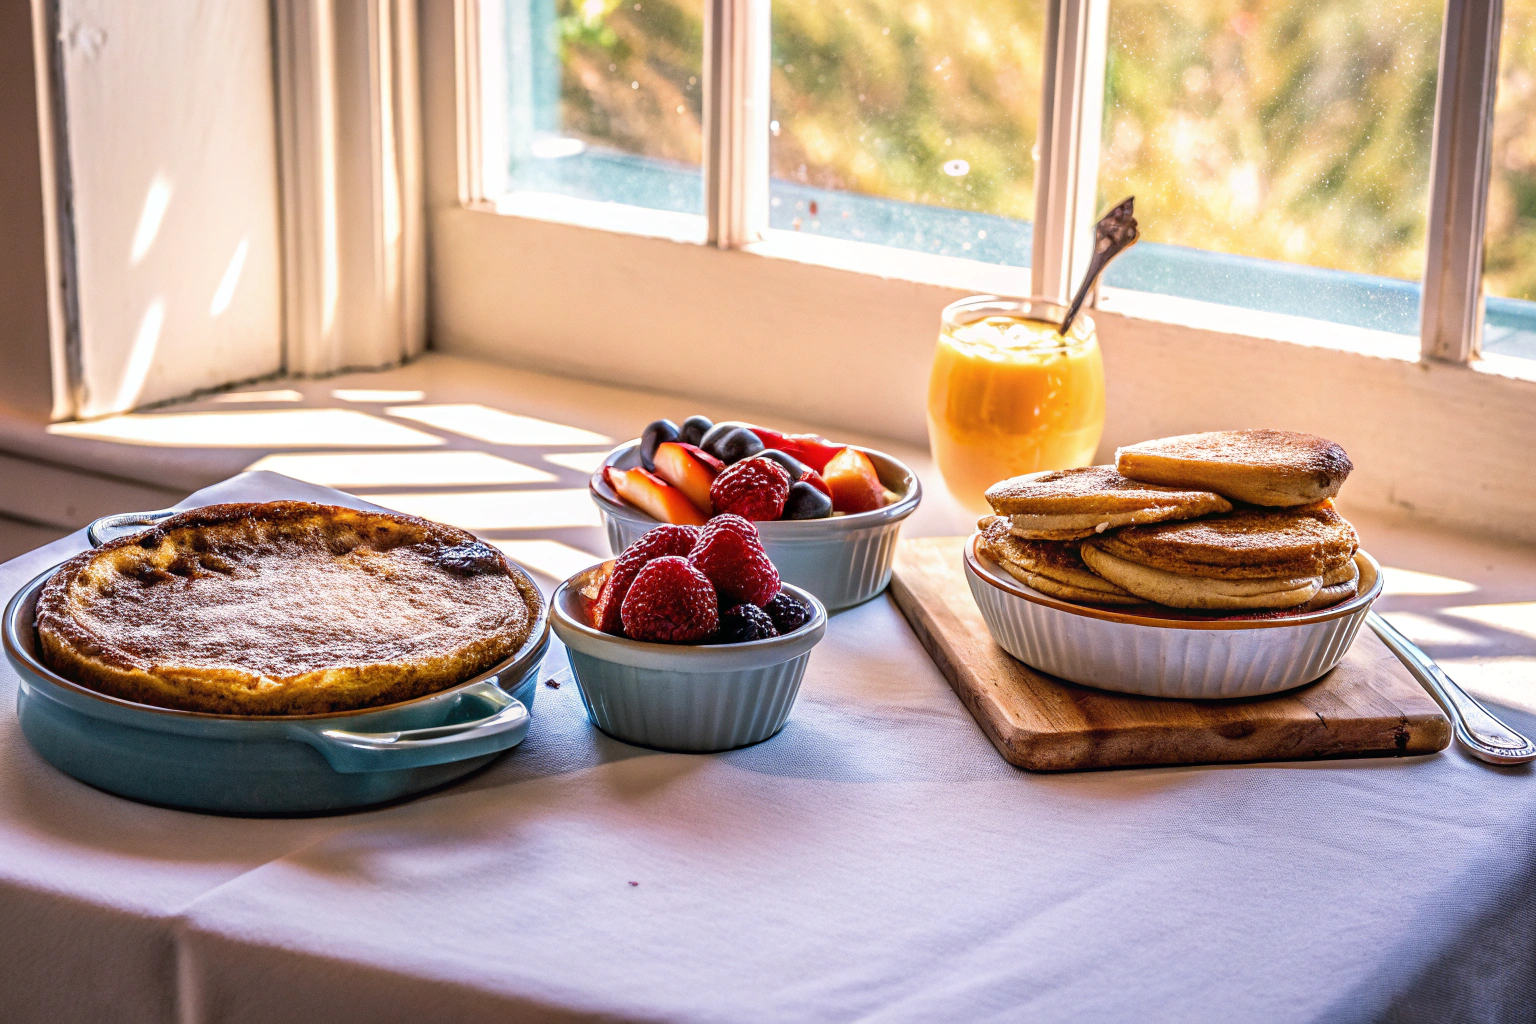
898	509
538	638
562	620
982	568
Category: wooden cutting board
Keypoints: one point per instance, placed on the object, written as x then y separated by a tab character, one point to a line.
1369	706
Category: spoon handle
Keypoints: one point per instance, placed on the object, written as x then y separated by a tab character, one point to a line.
1115	232
1477	729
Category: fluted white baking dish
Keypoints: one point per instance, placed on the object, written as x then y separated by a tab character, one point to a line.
1142	651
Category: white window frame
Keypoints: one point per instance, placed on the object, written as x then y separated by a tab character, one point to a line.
735	162
840	334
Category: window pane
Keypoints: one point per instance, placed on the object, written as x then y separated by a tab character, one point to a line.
596	99
1509	253
909	124
1290	136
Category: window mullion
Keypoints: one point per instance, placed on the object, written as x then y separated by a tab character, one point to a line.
1451	314
736	62
1071	119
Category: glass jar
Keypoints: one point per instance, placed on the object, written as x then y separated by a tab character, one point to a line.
1009	395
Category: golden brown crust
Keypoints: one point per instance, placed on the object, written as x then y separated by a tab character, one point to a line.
1262	467
1096	491
1176	590
1052	567
1249	543
284	608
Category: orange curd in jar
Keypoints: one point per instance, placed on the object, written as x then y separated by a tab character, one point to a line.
1010	395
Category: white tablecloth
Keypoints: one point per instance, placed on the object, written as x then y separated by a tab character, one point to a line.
877	861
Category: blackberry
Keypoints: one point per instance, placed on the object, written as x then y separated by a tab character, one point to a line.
787	613
742	622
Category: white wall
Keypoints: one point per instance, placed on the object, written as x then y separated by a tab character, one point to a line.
174	173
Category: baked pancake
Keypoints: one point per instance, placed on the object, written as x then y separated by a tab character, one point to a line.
1069	504
1261	467
284	608
1180	591
1051	567
1246	544
1339	585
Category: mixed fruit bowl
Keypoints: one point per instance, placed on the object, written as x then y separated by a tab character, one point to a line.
688	640
828	514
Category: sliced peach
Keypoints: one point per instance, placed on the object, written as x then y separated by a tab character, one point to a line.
654	496
854	483
689	469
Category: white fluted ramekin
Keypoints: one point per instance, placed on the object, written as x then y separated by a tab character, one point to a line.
843	560
1131	651
689	698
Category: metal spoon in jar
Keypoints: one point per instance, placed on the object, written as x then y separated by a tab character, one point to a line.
1114	234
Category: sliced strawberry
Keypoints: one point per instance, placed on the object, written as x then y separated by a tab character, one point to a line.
690	469
814	450
855	485
654	496
816	480
670	602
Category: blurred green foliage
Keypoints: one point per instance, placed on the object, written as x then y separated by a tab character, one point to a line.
1509	257
1296	130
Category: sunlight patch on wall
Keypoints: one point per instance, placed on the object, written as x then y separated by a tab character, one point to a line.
402	469
273	428
225	293
496	426
141	357
156	201
499	510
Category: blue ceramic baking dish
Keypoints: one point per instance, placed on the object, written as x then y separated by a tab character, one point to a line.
268	765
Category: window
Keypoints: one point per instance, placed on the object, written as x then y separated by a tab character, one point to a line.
1292	137
594	99
907	124
1509	250
1283	153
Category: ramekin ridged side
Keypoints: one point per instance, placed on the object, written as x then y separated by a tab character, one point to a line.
694	699
688	711
1180	659
844	561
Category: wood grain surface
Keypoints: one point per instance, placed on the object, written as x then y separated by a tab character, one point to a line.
1369	706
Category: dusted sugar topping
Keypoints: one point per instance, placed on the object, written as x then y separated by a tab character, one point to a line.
283	608
1092	490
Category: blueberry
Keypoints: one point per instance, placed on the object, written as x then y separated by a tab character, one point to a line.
743	622
655	434
716	432
792	465
694	429
806	501
734	445
787	613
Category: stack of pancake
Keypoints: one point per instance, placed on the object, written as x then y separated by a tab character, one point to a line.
1223	521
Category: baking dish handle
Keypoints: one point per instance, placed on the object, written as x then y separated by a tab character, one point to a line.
352	752
124	524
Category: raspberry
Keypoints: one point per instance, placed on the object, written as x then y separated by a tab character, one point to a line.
787	613
670	602
730	554
744	622
753	489
657	543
